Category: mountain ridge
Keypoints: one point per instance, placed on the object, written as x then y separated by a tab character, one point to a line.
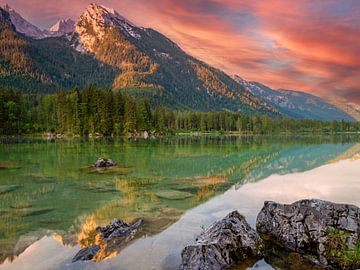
296	104
127	56
138	58
23	26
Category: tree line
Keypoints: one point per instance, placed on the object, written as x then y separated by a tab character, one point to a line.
112	113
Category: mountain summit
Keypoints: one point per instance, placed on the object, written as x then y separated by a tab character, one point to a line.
63	27
22	25
106	49
96	20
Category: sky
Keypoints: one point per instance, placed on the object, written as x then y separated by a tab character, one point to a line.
307	45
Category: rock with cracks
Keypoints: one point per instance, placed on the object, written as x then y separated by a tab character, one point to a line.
225	243
119	228
114	237
325	233
104	163
86	254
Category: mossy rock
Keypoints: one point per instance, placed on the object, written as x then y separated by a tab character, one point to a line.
21	205
173	194
338	252
41	178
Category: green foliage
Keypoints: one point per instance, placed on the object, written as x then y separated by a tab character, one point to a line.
338	251
114	112
47	64
120	61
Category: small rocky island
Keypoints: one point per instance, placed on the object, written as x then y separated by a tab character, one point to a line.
104	163
321	234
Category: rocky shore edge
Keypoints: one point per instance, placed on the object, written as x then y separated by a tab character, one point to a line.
305	235
311	234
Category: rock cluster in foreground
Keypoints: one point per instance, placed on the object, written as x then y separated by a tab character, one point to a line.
227	242
312	232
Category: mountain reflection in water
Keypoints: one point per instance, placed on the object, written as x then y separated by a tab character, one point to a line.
51	206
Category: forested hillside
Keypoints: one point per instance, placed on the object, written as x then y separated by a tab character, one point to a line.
120	55
108	51
104	112
47	64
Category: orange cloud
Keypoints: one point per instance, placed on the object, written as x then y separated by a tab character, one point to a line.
305	45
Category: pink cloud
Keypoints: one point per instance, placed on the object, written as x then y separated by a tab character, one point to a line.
306	45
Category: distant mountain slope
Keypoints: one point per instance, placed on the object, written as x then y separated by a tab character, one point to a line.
22	25
61	28
351	109
109	50
296	104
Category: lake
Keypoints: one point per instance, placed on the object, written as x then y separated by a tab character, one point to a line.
51	200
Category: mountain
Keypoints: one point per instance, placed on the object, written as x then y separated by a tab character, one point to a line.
22	25
104	48
109	50
63	27
34	64
350	108
296	104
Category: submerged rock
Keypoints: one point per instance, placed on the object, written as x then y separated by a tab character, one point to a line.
36	211
227	242
173	194
325	233
104	163
8	188
86	254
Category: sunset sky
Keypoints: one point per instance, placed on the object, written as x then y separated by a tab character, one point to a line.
302	45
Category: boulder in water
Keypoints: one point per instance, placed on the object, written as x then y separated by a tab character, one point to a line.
227	242
325	233
104	163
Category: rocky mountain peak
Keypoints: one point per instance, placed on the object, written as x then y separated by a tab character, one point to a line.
104	15
22	25
63	27
4	15
7	7
96	19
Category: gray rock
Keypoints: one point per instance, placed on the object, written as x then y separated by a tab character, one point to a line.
104	163
113	238
326	233
119	228
86	254
225	243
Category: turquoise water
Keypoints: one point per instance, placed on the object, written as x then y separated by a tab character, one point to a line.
51	200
